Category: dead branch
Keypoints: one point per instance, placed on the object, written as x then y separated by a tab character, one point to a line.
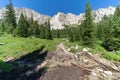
103	65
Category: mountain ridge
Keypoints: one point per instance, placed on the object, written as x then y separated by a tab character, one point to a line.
60	19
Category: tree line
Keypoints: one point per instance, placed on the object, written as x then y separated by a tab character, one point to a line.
107	30
25	27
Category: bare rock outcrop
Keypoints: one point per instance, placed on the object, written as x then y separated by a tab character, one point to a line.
27	12
59	20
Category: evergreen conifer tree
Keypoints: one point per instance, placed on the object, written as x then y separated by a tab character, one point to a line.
88	27
48	31
22	28
10	18
42	32
36	29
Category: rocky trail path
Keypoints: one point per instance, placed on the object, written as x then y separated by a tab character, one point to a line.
62	65
81	65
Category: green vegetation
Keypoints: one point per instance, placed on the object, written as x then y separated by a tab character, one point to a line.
22	28
4	67
16	47
88	27
9	18
115	56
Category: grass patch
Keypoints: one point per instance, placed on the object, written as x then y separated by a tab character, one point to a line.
72	45
72	49
114	56
15	47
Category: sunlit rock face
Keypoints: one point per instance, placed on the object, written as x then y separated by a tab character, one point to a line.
61	19
27	12
98	14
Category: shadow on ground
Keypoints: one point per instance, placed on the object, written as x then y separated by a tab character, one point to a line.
24	67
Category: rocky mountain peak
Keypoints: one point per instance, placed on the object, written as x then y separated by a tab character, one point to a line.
60	19
99	14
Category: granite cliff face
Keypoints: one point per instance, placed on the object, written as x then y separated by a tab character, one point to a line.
59	20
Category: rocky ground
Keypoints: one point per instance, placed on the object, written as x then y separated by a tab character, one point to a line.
62	65
81	65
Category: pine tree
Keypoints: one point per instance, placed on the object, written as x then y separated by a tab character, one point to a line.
111	42
48	31
117	11
112	31
35	29
117	22
30	29
88	27
71	34
22	28
9	16
102	28
42	32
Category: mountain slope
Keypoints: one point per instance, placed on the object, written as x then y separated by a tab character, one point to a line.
28	12
59	20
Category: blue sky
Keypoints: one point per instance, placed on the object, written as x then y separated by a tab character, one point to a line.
51	7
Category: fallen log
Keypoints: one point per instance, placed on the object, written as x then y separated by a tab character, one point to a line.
87	70
103	65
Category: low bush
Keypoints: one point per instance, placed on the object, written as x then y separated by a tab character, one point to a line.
4	67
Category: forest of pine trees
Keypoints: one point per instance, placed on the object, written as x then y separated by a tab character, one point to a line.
25	27
107	30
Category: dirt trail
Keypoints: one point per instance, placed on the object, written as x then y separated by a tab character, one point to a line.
62	63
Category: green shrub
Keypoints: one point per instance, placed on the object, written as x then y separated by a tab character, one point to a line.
4	67
111	56
72	50
111	45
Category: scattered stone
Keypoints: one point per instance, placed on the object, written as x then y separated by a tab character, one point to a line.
69	49
41	66
38	60
85	49
76	47
78	53
7	59
108	72
85	60
76	57
103	74
30	65
112	65
93	73
119	79
28	73
88	48
101	70
89	53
